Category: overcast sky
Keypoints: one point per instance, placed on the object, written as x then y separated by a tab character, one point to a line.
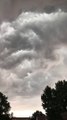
33	50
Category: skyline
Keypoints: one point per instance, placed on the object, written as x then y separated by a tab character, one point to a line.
33	45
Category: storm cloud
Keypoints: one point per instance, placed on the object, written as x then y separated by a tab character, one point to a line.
29	48
10	9
33	48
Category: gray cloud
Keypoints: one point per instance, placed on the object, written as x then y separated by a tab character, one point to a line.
10	9
32	53
33	47
29	46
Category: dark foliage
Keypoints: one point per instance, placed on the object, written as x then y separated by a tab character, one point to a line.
4	108
54	100
38	115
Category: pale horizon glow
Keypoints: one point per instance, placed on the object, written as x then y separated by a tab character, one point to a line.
25	113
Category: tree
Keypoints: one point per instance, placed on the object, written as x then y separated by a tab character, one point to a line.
54	100
4	107
38	115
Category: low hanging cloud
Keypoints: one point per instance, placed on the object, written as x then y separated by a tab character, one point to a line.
32	53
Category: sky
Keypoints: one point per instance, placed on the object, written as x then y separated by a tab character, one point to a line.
33	50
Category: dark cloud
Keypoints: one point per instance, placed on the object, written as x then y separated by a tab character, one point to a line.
32	53
33	45
10	9
28	45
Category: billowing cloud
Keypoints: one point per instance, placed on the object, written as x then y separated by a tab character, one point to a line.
32	53
29	48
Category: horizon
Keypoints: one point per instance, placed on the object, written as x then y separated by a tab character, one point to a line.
33	45
24	114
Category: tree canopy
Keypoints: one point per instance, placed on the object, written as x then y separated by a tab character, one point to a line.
54	100
38	115
4	107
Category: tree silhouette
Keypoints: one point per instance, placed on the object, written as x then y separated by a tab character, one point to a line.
54	100
4	107
38	115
